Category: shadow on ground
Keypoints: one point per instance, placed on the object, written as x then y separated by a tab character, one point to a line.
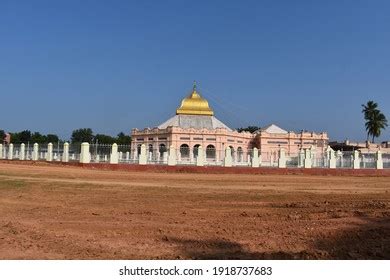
371	241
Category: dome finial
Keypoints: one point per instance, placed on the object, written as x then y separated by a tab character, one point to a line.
194	104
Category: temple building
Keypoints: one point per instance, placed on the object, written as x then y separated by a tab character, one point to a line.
195	125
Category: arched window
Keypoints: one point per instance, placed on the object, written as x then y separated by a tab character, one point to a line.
240	154
162	148
231	150
210	152
139	149
184	151
196	148
150	148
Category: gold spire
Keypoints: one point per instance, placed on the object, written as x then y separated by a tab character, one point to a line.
194	104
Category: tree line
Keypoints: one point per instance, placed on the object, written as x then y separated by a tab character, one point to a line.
375	122
78	136
87	135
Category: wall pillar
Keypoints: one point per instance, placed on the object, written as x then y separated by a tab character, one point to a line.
165	157
22	154
308	160
301	158
35	155
49	155
379	160
228	161
172	156
200	158
282	159
332	158
313	155
356	160
255	158
65	153
114	156
1	151
143	159
85	156
10	151
260	159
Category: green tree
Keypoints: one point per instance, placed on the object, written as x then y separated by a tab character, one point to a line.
36	137
375	120
123	139
15	137
52	138
25	136
250	129
104	139
2	136
368	110
82	135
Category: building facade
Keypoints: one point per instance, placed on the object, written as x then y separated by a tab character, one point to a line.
195	125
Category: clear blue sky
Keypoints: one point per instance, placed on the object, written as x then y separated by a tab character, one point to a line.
116	65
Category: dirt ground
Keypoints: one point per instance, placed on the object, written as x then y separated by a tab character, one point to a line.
64	212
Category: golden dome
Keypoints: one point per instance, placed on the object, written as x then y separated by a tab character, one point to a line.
194	104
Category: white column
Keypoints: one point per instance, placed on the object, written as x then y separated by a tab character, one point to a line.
10	151
127	156
172	156
332	159
228	161
313	155
200	158
301	158
35	155
65	154
114	156
308	160
192	155
255	158
165	157
282	158
356	160
260	159
22	155
143	159
49	155
85	156
1	151
379	160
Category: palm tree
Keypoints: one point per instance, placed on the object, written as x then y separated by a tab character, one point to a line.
375	119
368	111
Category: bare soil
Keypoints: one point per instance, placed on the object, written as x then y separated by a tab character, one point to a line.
65	212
